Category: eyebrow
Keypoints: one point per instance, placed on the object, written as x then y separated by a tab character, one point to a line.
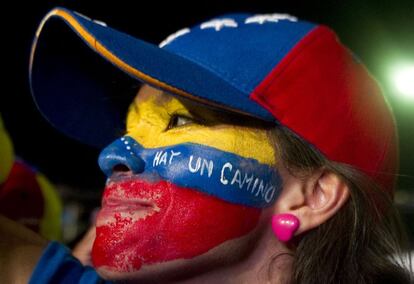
215	116
210	115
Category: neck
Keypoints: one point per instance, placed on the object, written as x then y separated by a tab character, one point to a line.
268	262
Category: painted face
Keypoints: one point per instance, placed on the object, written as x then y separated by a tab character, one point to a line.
6	153
183	181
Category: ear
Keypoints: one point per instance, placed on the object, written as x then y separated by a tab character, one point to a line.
313	199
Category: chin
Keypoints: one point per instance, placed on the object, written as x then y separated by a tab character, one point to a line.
177	270
173	271
225	256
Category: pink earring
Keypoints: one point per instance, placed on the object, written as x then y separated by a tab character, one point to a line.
284	226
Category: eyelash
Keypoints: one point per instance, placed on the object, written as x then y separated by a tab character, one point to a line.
175	121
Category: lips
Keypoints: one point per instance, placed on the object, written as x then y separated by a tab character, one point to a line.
113	202
125	200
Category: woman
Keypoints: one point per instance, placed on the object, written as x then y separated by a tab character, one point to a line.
265	153
336	241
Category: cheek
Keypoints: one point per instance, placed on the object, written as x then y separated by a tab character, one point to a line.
188	224
200	222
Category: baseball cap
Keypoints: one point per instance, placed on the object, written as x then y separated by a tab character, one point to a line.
272	67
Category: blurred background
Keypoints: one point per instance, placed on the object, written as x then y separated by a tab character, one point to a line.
380	33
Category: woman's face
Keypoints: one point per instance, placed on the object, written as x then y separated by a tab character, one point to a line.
193	194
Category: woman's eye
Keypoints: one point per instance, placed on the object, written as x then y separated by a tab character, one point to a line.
178	120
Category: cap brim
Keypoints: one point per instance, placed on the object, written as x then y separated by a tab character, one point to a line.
77	99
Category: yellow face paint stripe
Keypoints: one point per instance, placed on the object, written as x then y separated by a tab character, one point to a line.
147	120
103	51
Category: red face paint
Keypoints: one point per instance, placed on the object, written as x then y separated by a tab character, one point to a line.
146	223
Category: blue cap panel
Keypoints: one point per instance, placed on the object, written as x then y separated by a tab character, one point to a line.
241	48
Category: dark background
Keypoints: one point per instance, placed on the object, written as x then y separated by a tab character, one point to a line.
381	33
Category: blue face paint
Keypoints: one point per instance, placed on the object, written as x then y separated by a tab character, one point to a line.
225	175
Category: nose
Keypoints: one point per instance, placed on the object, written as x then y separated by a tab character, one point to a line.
121	155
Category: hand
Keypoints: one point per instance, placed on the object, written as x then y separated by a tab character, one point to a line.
82	250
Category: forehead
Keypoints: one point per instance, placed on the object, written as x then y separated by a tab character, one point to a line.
155	98
146	93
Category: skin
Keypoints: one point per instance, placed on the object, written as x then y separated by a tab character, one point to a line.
136	245
20	250
134	242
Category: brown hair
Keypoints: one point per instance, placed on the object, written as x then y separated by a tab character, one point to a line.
362	243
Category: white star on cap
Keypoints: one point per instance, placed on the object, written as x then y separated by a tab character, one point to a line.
83	16
100	23
218	24
89	19
173	36
274	18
